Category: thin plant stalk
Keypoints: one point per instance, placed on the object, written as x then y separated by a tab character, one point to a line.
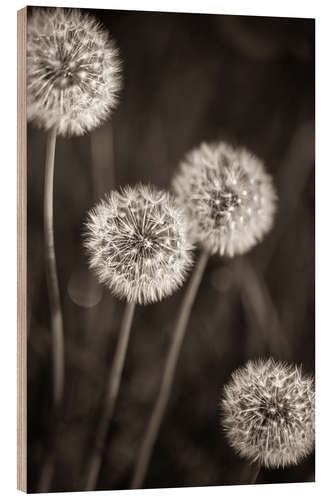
256	468
51	273
47	474
111	397
169	373
57	330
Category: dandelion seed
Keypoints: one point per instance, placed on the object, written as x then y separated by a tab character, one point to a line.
73	71
228	197
268	413
133	236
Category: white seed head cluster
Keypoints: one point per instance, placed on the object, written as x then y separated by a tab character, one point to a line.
73	71
268	413
137	244
228	197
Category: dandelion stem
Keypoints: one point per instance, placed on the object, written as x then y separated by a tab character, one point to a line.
111	397
255	473
51	273
47	474
58	364
169	373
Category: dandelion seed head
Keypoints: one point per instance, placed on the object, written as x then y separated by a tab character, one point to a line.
73	71
137	244
228	197
268	410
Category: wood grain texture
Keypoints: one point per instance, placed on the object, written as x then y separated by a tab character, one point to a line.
21	253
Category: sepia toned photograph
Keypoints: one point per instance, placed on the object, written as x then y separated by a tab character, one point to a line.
167	271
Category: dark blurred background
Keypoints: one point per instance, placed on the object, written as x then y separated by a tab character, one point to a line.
187	78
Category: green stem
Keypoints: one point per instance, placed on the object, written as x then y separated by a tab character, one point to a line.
111	397
169	373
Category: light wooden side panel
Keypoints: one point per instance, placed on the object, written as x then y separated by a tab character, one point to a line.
21	252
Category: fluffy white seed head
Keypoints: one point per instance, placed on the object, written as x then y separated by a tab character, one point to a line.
268	413
228	197
73	71
137	244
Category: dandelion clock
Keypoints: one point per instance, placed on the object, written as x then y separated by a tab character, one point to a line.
73	71
73	80
229	203
137	245
267	413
